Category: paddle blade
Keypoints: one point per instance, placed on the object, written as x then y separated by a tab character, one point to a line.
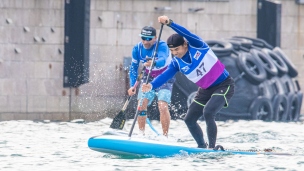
118	121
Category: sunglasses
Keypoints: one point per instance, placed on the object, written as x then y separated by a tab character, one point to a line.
146	38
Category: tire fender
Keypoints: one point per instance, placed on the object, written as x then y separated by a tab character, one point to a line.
252	69
292	71
278	61
220	48
293	107
266	62
280	107
261	109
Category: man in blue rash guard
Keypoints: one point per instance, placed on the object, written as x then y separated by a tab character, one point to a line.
195	59
142	52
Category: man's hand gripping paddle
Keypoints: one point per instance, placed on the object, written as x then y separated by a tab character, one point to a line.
120	119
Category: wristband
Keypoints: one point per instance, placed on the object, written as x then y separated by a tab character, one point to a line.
169	23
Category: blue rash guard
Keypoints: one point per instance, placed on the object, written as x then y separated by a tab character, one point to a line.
139	54
194	42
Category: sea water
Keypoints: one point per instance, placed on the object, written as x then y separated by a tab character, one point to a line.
62	146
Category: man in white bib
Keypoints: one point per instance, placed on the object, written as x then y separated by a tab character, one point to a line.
195	59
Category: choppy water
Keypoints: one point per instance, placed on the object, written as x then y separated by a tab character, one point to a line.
38	146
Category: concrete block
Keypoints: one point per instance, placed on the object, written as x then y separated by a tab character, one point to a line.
50	37
7	86
206	23
144	19
46	116
10	4
49	53
30	17
123	36
99	5
34	116
60	116
14	104
37	103
126	20
36	87
15	16
5	34
16	70
56	18
64	104
52	103
53	87
96	19
288	8
127	6
99	36
42	4
57	4
3	101
109	19
20	116
114	5
41	69
289	40
292	25
4	69
20	87
247	7
31	52
30	69
56	71
29	4
6	116
146	6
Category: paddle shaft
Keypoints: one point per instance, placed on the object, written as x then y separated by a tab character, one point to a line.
135	85
119	120
147	80
128	100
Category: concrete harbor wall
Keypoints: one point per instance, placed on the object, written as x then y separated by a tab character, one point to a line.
32	49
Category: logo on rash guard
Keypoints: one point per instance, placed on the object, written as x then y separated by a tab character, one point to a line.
185	69
134	61
201	70
197	55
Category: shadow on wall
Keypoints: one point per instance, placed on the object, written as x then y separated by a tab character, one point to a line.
266	87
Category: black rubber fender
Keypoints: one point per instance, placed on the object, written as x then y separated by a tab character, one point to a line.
296	117
292	71
246	43
293	107
278	61
287	84
220	48
261	109
296	85
235	44
277	86
280	107
257	42
266	62
265	89
253	70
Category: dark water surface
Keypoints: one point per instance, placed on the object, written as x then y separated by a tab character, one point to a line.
61	146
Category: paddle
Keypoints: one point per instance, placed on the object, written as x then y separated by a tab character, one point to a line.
147	80
120	119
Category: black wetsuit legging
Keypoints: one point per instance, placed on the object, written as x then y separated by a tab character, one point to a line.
207	103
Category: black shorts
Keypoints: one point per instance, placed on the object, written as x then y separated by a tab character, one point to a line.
225	89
